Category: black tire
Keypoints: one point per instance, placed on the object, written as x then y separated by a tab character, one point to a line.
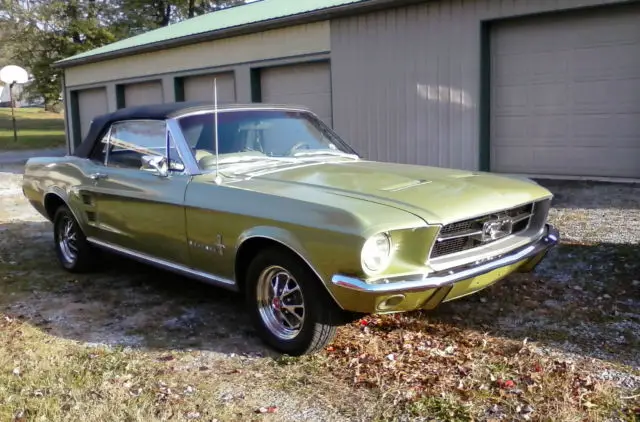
322	316
83	258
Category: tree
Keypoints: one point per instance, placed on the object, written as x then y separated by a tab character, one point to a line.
144	15
37	33
41	32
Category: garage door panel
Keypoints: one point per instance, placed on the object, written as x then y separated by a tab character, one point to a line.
612	96
621	131
548	68
565	95
600	34
550	97
588	160
143	93
311	100
533	69
200	88
91	103
594	161
509	99
620	64
307	84
519	132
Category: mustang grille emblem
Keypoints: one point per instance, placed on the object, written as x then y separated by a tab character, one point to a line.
496	229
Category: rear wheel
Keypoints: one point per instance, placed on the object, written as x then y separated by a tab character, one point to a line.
291	310
74	253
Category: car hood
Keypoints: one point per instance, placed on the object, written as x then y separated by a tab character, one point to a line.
437	195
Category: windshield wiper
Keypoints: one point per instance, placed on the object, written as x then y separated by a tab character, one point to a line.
233	160
326	152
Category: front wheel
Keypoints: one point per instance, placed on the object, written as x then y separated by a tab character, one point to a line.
291	310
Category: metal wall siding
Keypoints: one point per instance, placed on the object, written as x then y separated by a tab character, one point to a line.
406	81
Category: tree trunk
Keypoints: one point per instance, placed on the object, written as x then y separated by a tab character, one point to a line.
165	14
53	106
72	13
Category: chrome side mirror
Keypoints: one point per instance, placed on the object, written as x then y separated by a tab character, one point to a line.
155	163
176	166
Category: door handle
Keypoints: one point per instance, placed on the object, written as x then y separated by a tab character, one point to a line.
98	176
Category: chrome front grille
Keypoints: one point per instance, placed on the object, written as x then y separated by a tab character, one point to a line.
468	234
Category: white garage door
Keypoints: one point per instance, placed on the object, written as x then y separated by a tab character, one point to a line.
91	103
307	84
143	93
200	88
566	95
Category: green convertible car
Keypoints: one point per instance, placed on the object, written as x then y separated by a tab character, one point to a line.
268	201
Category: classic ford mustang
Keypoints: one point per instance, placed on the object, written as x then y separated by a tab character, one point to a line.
267	200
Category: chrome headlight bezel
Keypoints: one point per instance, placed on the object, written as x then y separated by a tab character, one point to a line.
376	253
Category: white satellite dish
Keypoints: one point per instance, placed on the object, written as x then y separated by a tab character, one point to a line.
13	74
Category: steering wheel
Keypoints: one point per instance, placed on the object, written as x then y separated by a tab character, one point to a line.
298	146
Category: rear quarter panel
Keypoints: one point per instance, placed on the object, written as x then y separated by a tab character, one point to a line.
60	176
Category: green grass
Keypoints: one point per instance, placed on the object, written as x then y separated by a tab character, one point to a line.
36	129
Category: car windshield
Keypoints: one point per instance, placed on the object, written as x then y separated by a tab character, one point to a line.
260	136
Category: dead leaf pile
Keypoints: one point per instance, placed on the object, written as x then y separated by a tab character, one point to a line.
411	358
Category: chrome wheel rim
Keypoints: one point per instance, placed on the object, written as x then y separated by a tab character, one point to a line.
67	240
280	302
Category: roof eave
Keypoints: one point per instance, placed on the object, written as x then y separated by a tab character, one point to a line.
310	17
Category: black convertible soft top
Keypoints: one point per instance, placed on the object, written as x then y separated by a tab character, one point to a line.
101	124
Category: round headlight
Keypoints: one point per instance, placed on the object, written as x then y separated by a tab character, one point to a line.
376	252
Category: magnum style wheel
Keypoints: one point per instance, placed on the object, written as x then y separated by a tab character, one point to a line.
74	253
291	310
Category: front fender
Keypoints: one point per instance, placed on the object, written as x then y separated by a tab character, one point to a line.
324	253
275	234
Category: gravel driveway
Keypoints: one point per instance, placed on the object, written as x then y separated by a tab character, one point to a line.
582	304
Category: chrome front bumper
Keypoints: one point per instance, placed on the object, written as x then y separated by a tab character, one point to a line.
452	276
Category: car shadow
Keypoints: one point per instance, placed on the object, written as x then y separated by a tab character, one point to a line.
583	299
122	303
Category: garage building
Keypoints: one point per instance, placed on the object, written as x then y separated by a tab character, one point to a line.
535	87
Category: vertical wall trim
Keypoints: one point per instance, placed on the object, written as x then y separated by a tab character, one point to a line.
485	97
111	97
243	83
65	101
75	118
167	85
178	88
120	102
331	91
256	86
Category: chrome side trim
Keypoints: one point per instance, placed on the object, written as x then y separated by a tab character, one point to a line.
161	263
445	278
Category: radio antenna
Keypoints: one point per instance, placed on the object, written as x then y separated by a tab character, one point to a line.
218	179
